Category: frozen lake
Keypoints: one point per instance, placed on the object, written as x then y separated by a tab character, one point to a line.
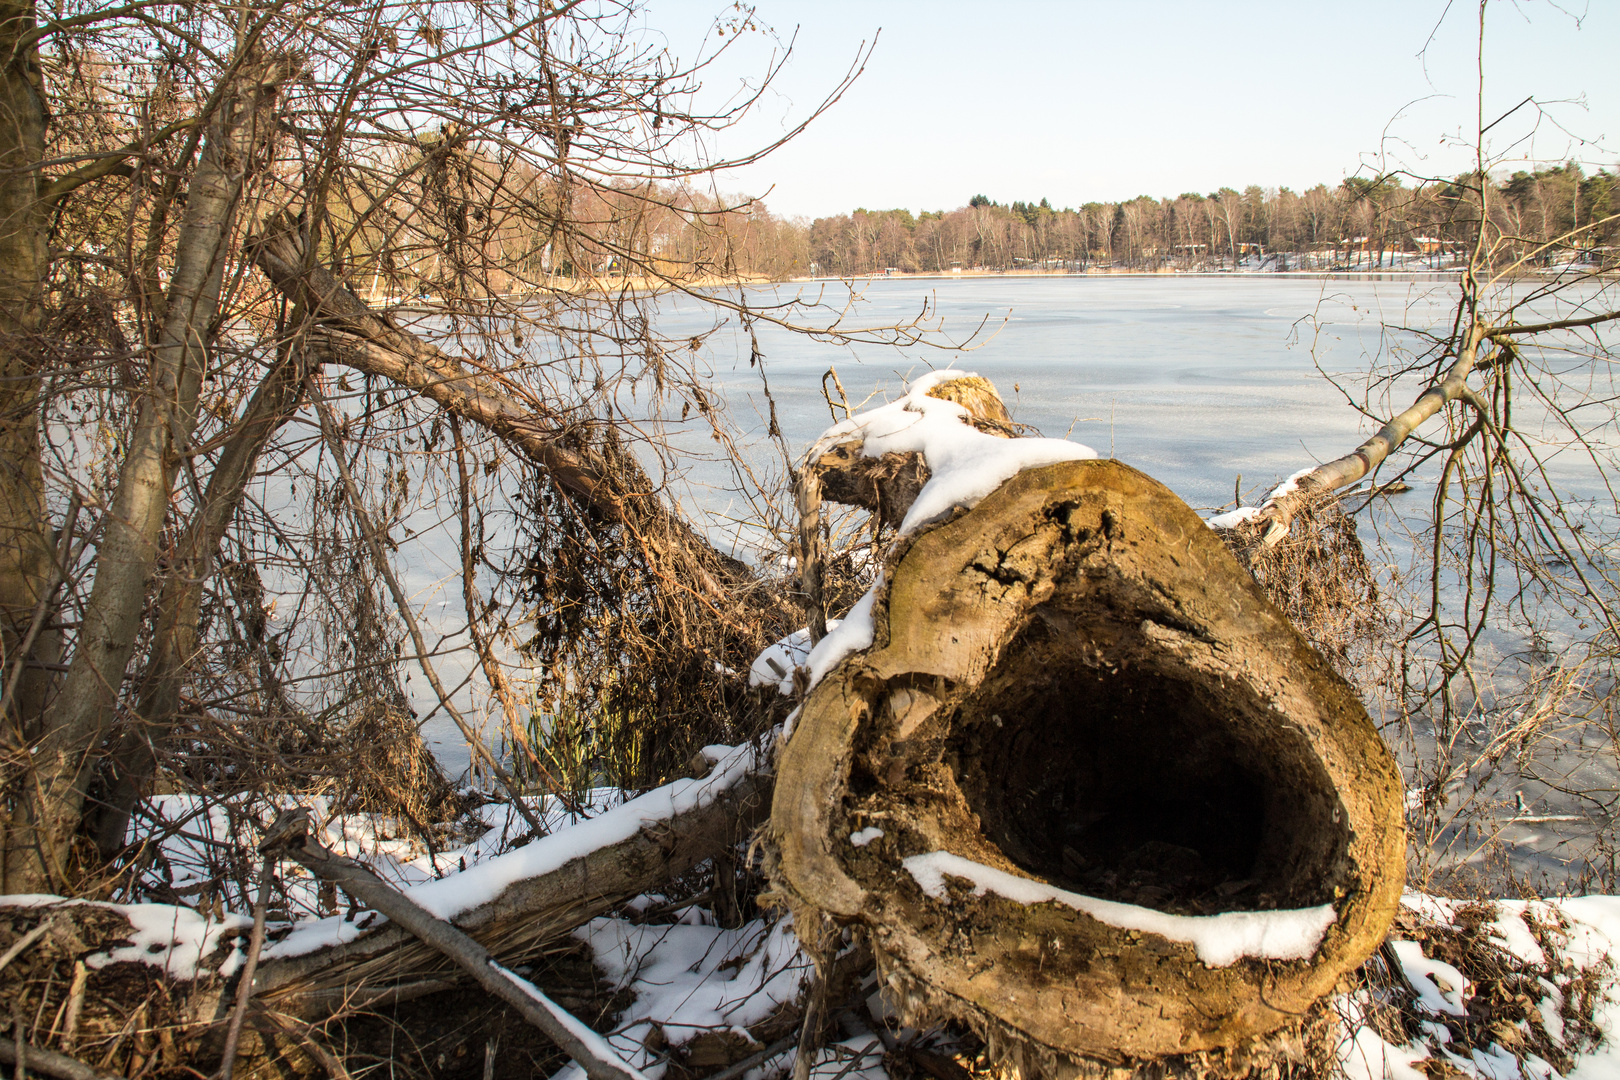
1191	379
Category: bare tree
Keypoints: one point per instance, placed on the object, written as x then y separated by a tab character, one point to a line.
415	216
1504	665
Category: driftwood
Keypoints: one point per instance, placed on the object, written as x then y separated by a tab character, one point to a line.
1075	684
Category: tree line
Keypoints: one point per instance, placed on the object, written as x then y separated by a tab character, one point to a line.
1544	216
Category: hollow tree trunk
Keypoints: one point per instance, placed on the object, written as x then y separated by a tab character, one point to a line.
1088	789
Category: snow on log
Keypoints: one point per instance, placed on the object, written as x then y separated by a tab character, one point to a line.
1086	787
514	904
517	902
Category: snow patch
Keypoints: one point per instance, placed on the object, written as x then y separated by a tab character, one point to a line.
1366	1056
860	1058
176	940
1220	940
692	979
853	633
1441	988
775	666
595	1043
1233	518
964	463
865	836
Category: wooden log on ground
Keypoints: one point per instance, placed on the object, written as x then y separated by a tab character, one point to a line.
706	815
1088	789
183	964
290	834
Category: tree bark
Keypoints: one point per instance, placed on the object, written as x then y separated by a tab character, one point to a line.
25	539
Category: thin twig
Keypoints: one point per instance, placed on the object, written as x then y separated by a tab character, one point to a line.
380	557
815	1007
244	987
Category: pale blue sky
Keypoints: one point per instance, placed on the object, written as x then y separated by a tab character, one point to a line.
1076	101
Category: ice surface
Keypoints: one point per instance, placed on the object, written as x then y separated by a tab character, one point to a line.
1220	940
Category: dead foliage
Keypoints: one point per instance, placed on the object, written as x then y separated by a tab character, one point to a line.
123	1018
1510	1002
1320	577
637	656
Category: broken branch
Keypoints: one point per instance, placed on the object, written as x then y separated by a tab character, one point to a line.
49	1062
1279	510
290	835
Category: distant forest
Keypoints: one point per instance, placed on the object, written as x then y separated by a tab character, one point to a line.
1361	223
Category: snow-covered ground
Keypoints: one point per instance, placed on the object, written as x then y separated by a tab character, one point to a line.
695	985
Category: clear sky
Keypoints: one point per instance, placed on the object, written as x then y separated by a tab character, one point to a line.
1078	101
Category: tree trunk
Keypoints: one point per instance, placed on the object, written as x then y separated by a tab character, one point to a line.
81	713
1081	727
25	541
175	641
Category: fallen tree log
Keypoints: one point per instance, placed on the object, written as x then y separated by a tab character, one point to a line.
290	834
517	903
1088	789
183	963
